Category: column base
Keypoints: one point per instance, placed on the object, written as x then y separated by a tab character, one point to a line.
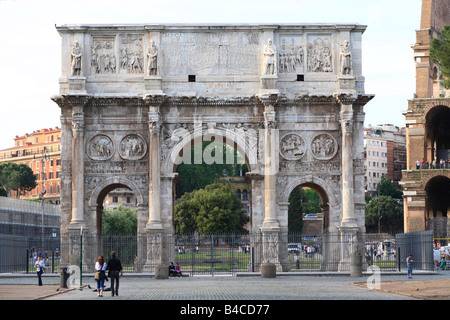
349	223
154	226
77	225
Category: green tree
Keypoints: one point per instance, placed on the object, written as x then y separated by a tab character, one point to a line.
120	221
440	53
17	177
301	201
295	210
389	209
386	188
212	210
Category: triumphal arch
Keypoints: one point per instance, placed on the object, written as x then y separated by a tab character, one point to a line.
135	98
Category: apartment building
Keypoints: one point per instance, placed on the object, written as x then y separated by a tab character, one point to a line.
41	151
385	155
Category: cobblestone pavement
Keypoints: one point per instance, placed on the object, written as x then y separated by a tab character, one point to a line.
392	287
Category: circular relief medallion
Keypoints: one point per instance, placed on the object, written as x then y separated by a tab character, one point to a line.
100	147
132	147
292	146
324	146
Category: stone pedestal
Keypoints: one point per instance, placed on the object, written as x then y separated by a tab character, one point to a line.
346	83
269	84
351	244
155	246
153	85
77	85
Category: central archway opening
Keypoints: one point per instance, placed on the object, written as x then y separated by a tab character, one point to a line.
202	164
212	206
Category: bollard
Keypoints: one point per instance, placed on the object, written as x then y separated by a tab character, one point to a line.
356	265
161	272
268	270
63	277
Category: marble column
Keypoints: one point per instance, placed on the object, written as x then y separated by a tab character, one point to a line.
78	103
154	124
346	121
270	170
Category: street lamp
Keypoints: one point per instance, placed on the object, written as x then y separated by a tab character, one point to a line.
44	191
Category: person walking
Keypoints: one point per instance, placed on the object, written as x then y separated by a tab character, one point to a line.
114	267
40	266
409	262
100	267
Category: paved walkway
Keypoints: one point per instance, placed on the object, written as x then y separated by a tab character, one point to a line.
293	287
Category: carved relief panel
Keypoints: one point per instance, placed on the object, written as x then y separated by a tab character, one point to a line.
103	58
292	146
320	54
131	54
100	147
132	147
291	55
324	146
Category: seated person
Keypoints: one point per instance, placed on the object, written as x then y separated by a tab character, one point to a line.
172	272
178	270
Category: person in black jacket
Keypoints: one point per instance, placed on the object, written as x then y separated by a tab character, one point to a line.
114	267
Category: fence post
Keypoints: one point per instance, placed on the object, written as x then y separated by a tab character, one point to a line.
212	254
398	259
81	257
27	261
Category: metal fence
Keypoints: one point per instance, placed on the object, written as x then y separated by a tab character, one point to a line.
223	254
28	218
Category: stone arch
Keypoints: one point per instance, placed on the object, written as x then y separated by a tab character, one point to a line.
245	141
330	202
182	140
99	193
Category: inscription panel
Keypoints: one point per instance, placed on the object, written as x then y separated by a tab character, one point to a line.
207	53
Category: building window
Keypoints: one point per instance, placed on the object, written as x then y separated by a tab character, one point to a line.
244	195
238	193
115	199
128	199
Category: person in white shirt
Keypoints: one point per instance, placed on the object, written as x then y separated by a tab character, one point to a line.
100	267
40	266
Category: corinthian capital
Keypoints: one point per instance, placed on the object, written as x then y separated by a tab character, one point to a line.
154	120
78	123
346	125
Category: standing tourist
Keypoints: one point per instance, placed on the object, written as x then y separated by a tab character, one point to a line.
100	267
114	266
40	266
409	262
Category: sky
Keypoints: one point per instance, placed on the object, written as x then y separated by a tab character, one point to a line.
30	46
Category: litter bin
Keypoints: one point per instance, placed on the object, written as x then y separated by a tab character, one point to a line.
268	270
356	265
63	276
